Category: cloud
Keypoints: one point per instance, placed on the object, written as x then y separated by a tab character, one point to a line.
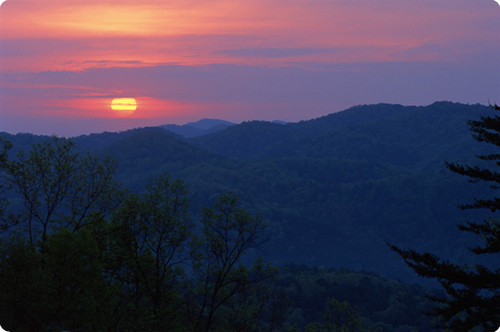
284	91
240	60
275	52
76	35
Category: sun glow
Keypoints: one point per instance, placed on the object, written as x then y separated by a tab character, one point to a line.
124	106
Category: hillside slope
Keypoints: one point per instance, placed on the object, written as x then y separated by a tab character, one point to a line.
410	136
334	190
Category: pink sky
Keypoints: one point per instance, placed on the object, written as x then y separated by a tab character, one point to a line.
63	61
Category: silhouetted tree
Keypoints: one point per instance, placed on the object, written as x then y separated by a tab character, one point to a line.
473	292
165	229
228	233
59	187
152	242
51	274
63	288
5	146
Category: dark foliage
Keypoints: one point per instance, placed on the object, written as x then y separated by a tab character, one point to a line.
330	190
319	298
334	189
473	292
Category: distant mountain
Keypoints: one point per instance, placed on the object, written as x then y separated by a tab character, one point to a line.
198	128
333	190
409	136
147	152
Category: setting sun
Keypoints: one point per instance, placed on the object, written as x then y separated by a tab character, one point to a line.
124	106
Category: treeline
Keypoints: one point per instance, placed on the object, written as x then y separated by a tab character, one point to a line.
80	252
335	189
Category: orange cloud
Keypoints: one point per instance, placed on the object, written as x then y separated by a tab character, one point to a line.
184	59
64	18
74	35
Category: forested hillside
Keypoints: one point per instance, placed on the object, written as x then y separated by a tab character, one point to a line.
334	190
413	137
198	128
81	252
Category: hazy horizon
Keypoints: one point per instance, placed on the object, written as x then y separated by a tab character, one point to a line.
64	62
215	119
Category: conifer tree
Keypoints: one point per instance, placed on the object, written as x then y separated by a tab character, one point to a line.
473	292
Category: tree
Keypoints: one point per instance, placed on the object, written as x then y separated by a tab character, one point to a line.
338	316
228	233
80	298
473	292
60	188
51	273
23	288
62	289
5	146
151	242
165	230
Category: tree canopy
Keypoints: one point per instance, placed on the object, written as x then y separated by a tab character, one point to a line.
82	253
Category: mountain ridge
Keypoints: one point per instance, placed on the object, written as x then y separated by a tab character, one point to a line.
367	124
198	128
334	190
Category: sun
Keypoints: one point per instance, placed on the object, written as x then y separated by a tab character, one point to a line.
124	106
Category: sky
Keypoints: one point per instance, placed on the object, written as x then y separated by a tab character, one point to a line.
62	62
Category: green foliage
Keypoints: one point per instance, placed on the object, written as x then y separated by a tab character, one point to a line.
5	146
337	299
62	289
334	190
228	233
79	293
150	244
147	153
23	289
352	180
43	178
60	188
337	316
